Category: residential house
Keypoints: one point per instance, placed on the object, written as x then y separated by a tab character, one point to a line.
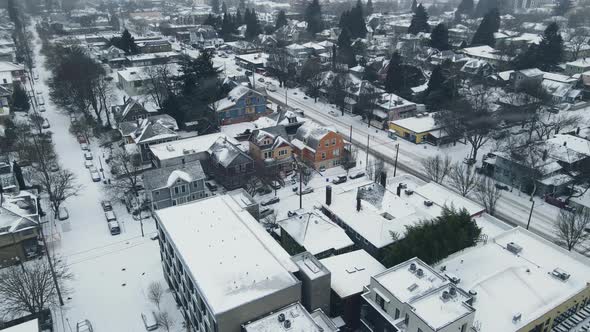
229	164
477	69
19	228
561	92
271	150
319	147
175	185
351	273
186	150
111	54
421	128
154	46
531	76
138	80
150	59
315	233
577	67
8	181
145	132
205	36
573	51
244	275
10	73
486	53
131	110
242	47
395	107
252	61
413	296
242	104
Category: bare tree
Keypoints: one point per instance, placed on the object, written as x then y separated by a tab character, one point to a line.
350	157
155	293
126	168
165	320
436	168
464	179
29	288
104	93
36	121
60	186
488	194
571	227
160	83
576	41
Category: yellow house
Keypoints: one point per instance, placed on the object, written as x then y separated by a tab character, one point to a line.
418	129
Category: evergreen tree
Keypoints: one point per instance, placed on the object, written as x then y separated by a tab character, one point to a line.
223	8
114	22
345	51
369	8
488	26
439	38
419	21
228	26
465	7
18	174
313	17
19	99
437	80
281	20
528	59
215	6
550	50
354	22
394	80
484	6
126	43
414	6
210	20
253	28
239	19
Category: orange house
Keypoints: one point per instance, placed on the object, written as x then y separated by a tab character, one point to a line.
319	147
270	149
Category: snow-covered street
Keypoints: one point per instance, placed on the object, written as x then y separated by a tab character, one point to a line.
111	272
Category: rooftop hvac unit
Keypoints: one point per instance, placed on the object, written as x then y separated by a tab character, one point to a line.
413	267
281	318
287	324
420	273
560	274
169	148
445	296
516	318
513	248
453	291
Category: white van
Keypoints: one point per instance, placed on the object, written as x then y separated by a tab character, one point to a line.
149	321
114	228
110	216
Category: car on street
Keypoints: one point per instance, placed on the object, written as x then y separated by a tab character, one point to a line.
88	164
84	147
40	100
114	227
265	212
211	186
45	124
106	206
84	326
149	321
306	191
356	175
270	201
333	113
62	213
95	176
271	88
42	108
264	190
275	185
501	186
88	155
261	79
110	216
340	179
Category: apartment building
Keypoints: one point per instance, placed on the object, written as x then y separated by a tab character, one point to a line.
244	274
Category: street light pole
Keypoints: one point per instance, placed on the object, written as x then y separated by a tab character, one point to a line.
395	165
367	153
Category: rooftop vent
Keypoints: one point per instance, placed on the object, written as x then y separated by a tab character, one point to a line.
513	248
413	267
445	296
516	318
169	148
287	324
453	291
281	318
420	273
412	287
560	274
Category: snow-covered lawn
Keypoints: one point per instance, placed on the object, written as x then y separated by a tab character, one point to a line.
111	273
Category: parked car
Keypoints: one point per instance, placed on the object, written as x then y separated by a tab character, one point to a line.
84	326
211	186
88	164
106	206
45	124
340	179
110	215
81	139
265	212
95	176
149	321
62	213
40	100
356	175
275	185
84	147
306	191
88	155
264	190
114	227
41	108
501	186
270	201
271	88
332	113
261	79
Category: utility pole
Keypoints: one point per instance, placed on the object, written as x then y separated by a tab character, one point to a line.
53	276
300	186
395	165
367	153
350	137
285	85
530	215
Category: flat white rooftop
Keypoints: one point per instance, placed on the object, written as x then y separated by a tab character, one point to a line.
352	271
181	147
229	255
508	284
438	312
30	326
299	320
441	196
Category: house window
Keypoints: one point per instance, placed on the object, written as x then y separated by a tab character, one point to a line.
333	141
336	152
380	301
464	327
173	202
323	155
407	319
157	192
327	143
267	154
282	152
396	313
183	188
176	190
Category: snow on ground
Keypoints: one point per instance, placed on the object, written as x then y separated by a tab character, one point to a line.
111	273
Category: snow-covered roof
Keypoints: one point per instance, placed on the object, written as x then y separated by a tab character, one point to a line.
351	272
190	145
224	152
485	52
299	318
311	134
152	56
166	177
574	143
131	74
18	212
28	326
583	63
316	233
526	278
232	97
10	66
418	124
441	196
559	78
254	58
239	267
